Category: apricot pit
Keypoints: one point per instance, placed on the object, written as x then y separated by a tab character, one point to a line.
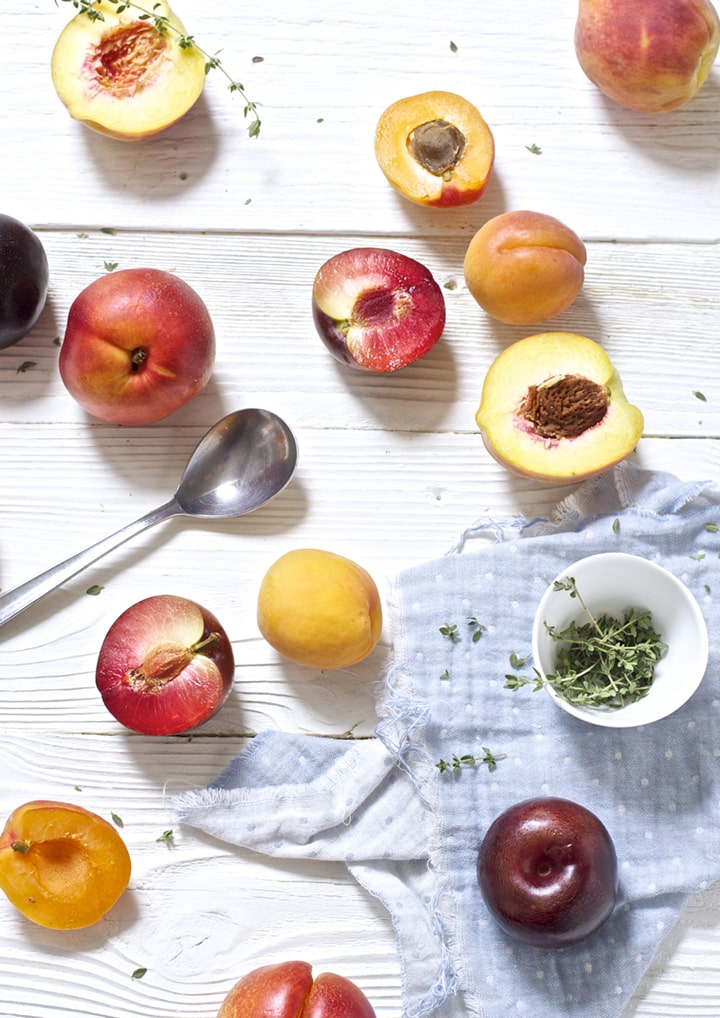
553	408
435	149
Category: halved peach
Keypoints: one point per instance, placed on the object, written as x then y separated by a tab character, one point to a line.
120	75
553	408
61	865
435	149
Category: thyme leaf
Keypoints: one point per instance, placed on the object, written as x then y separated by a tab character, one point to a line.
606	661
451	632
469	760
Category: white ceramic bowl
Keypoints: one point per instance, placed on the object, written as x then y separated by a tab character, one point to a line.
611	583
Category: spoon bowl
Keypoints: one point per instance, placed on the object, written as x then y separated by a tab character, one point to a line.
245	460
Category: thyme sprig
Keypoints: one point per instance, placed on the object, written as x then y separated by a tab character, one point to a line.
606	661
469	760
163	26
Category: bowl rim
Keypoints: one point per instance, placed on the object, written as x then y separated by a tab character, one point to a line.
614	717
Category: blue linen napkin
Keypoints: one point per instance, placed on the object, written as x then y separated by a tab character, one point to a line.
409	833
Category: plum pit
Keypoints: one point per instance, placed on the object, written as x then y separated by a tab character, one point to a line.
437	145
564	406
380	305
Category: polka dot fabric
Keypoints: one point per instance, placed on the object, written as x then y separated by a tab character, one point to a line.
655	788
410	832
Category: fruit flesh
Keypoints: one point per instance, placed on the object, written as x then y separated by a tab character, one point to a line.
61	865
649	55
165	666
319	609
122	77
435	149
524	267
376	309
587	426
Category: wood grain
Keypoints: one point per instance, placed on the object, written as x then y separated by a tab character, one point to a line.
391	467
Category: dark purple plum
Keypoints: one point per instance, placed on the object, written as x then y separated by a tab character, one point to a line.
23	280
547	870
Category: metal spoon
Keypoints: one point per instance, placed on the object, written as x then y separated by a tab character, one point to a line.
240	464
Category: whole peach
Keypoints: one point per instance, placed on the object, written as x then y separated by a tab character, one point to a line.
524	267
647	55
138	345
287	990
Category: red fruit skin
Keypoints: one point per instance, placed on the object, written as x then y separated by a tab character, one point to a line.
334	996
547	870
287	990
129	316
178	704
377	310
271	991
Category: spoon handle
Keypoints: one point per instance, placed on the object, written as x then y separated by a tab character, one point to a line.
20	598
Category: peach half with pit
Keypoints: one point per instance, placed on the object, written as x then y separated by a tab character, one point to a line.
376	309
553	408
524	267
647	55
124	73
435	149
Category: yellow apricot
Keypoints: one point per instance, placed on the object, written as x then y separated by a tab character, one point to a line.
435	149
319	609
524	267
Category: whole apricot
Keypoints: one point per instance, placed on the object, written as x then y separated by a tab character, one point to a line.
319	609
435	149
524	267
61	865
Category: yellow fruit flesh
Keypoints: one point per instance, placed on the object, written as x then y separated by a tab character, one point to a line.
511	439
122	77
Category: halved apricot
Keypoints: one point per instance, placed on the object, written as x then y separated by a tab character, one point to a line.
435	149
61	865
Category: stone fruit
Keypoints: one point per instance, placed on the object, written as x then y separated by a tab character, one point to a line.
647	55
553	408
61	865
287	990
547	871
139	344
165	666
121	76
524	267
377	310
435	149
23	280
319	609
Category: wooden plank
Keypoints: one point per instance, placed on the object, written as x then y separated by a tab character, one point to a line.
325	77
